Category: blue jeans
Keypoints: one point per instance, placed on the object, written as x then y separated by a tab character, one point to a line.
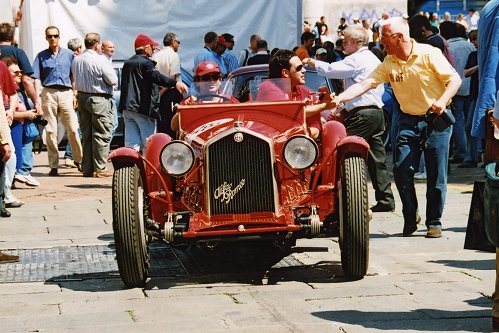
138	128
413	130
394	129
27	153
461	106
473	154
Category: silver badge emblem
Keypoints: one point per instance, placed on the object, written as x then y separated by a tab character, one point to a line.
225	192
238	137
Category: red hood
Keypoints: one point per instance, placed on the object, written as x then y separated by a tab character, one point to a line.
201	122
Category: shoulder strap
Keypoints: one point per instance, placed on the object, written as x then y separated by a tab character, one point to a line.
245	62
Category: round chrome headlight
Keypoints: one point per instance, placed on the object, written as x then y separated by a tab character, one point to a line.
177	158
300	152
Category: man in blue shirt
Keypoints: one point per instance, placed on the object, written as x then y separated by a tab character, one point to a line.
52	67
207	53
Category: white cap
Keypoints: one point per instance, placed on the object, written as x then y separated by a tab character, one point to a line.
320	51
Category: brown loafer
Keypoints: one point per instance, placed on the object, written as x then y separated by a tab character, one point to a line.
6	258
434	232
102	174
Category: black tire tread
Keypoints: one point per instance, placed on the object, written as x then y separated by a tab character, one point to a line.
133	261
355	235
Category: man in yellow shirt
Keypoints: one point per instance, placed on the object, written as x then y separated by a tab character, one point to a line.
422	79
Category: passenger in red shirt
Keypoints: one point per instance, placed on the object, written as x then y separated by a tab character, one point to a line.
285	64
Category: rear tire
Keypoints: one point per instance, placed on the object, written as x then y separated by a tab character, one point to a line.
354	217
132	248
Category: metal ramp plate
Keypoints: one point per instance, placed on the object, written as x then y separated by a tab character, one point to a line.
98	262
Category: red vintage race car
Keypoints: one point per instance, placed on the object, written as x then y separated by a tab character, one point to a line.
241	171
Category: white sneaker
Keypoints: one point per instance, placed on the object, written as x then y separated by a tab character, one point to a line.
20	179
26	179
30	181
420	175
69	163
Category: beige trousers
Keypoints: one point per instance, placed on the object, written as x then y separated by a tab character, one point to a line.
58	104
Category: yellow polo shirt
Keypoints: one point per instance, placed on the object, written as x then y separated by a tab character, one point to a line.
418	82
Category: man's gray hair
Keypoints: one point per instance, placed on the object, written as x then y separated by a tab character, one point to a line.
398	25
169	38
74	44
357	33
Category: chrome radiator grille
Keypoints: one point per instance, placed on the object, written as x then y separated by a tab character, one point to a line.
240	175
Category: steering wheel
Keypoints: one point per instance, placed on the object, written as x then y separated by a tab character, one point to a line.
224	98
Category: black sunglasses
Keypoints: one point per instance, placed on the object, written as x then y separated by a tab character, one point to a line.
299	68
209	77
52	36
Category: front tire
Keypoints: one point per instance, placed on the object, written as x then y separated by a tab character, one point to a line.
132	248
354	217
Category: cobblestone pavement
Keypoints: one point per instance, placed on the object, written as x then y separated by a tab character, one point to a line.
67	279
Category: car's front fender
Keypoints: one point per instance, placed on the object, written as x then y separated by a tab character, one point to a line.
126	156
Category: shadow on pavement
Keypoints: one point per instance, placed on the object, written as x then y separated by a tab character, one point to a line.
109	186
469	264
255	263
433	320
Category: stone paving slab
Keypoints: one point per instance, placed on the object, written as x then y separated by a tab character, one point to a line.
414	284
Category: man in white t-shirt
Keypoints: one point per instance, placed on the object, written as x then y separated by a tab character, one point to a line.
167	60
168	64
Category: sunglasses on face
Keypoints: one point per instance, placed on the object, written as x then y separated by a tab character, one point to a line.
299	68
178	42
52	36
209	77
17	73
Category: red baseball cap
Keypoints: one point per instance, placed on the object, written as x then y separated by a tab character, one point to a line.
221	40
144	40
207	67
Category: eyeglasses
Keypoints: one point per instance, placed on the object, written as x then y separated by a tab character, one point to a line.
52	36
209	77
17	73
178	42
390	36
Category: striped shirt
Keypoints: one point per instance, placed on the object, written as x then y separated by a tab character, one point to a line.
93	73
230	60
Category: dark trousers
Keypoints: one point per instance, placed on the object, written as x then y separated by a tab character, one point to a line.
370	125
168	99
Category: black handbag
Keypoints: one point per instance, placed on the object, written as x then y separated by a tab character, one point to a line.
440	122
476	234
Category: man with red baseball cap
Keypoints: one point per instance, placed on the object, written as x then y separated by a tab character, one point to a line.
143	40
219	51
139	101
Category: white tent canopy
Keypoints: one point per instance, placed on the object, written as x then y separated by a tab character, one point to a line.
278	21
